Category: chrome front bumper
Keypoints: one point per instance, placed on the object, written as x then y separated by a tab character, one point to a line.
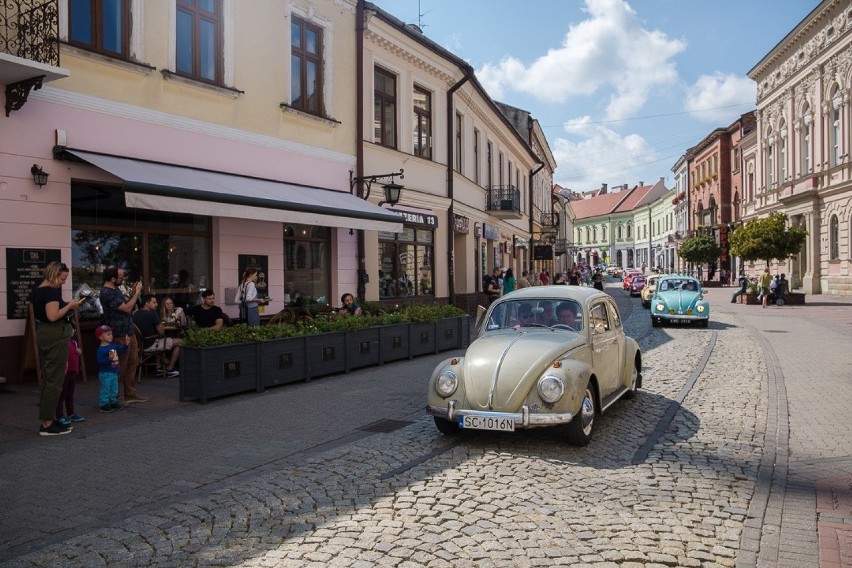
523	419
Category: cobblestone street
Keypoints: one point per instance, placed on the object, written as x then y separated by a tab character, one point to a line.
671	478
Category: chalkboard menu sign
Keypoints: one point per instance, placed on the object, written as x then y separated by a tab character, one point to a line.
23	273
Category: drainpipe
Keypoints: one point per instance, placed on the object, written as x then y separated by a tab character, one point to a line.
531	207
451	273
359	142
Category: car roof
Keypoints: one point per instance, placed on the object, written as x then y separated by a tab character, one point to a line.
555	292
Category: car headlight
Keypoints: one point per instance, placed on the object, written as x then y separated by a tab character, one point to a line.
550	388
446	384
700	309
660	307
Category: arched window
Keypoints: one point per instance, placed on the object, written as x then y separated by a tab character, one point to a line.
807	119
588	234
594	234
782	152
834	238
618	232
629	231
834	127
770	159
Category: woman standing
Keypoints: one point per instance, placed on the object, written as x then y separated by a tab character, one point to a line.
53	330
248	298
509	281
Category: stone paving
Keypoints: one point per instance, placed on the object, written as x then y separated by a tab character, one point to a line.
731	480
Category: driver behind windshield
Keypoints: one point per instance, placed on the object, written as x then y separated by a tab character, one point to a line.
565	315
525	315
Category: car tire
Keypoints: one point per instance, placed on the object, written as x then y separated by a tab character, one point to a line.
446	427
655	322
580	429
646	305
634	382
704	323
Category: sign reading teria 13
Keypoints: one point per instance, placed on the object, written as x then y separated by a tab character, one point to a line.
422	219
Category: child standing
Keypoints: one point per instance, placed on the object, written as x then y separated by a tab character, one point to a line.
66	398
108	353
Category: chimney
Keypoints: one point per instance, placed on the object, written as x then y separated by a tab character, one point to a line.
641	183
603	188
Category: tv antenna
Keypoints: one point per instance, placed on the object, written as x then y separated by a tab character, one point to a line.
420	14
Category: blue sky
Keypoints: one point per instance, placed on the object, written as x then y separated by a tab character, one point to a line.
622	88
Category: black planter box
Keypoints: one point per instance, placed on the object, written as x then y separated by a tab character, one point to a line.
422	338
282	361
326	353
362	348
210	372
394	342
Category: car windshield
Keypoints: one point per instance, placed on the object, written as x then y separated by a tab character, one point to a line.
686	284
532	313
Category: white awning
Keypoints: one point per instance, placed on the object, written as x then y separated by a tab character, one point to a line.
181	189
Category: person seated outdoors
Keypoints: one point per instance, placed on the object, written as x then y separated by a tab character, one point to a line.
547	316
525	316
350	308
565	315
207	314
172	316
153	334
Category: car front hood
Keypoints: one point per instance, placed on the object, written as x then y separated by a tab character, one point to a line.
680	300
501	368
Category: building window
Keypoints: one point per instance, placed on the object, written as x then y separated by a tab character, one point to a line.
307	266
459	142
199	40
406	263
384	109
835	128
782	154
618	233
834	238
476	156
422	123
169	253
500	169
100	25
629	231
489	164
306	66
770	161
807	168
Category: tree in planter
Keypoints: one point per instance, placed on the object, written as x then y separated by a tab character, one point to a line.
700	249
767	238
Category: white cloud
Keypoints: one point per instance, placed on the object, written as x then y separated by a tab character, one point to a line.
609	51
720	98
594	154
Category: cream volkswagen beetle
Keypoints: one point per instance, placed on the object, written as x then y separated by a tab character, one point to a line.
543	356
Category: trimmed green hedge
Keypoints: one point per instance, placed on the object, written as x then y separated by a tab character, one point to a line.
243	333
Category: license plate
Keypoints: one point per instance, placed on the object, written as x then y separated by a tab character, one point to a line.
487	423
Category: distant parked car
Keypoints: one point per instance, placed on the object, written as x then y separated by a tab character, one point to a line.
523	374
648	290
679	299
628	276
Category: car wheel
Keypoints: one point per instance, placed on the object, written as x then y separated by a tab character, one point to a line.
580	428
446	427
655	322
704	323
646	305
634	381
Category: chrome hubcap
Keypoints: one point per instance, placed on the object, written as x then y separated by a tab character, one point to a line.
588	412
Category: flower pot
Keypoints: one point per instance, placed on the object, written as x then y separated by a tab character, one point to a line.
282	361
210	372
394	342
362	348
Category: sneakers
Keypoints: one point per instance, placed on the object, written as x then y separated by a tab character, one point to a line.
107	408
55	429
172	373
117	406
133	399
77	418
62	421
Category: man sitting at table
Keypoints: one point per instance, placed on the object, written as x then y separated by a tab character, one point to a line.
153	334
207	314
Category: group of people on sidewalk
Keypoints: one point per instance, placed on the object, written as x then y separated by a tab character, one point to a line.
769	290
502	281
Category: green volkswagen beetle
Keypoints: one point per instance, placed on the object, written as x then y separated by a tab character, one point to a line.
679	299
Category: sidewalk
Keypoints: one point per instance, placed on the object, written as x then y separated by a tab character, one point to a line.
801	513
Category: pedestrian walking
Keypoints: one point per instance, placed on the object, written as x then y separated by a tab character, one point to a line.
765	282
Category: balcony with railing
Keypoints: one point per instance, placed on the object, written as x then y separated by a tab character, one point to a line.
503	201
29	48
549	220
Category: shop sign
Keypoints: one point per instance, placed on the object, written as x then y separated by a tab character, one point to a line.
417	219
542	252
491	232
461	224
